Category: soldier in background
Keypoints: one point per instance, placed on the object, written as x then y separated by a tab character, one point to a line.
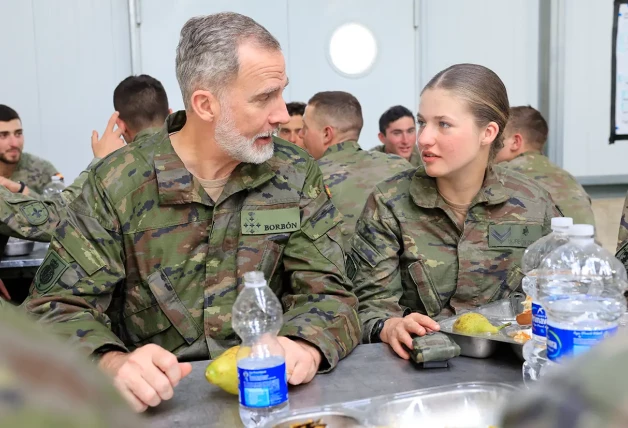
449	235
397	133
141	107
20	172
331	128
146	266
524	139
291	131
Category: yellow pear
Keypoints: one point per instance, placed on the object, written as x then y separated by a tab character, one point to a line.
223	371
474	323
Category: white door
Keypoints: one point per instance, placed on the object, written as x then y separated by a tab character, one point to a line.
390	80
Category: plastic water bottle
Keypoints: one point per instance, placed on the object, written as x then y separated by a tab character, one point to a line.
581	289
263	381
55	186
534	349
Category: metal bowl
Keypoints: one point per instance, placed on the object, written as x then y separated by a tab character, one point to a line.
332	419
462	405
18	247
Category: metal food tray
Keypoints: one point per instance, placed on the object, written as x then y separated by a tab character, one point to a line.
18	247
484	345
462	405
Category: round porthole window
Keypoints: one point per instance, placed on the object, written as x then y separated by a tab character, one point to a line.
352	50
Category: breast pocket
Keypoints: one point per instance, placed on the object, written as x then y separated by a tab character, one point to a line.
426	288
261	253
165	321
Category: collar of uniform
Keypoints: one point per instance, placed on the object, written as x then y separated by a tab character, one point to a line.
345	146
145	133
530	154
177	185
424	192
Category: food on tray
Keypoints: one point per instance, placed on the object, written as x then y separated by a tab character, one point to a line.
310	424
223	372
521	336
474	323
525	317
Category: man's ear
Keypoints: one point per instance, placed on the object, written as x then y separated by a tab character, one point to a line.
517	143
205	105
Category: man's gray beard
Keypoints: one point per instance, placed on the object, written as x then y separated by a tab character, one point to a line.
239	147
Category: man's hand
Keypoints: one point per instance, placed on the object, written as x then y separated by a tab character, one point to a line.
146	376
396	331
111	139
12	186
302	360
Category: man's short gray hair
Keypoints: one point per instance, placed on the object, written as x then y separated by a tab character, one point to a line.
207	54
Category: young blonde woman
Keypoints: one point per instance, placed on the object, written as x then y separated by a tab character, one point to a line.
449	234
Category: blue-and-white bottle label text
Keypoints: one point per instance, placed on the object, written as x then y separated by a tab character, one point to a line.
263	387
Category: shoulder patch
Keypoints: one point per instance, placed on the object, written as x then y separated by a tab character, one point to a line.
49	272
35	212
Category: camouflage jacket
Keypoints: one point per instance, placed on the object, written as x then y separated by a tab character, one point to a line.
622	238
36	218
415	158
35	172
351	174
145	256
46	383
589	391
570	197
410	256
28	217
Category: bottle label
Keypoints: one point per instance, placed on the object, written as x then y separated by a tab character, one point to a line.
263	387
563	343
539	321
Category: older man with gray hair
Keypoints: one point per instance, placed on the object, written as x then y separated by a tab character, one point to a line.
145	270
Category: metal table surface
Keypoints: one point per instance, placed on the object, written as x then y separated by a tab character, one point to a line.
32	260
371	370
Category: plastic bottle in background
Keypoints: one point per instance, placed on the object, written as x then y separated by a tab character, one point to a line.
55	186
257	318
534	349
581	288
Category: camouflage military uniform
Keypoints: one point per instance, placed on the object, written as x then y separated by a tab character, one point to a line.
568	194
410	256
35	172
415	158
43	383
351	174
36	218
589	391
622	238
145	255
28	217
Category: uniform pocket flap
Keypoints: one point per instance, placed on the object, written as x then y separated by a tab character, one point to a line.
326	218
366	251
172	306
427	293
82	251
